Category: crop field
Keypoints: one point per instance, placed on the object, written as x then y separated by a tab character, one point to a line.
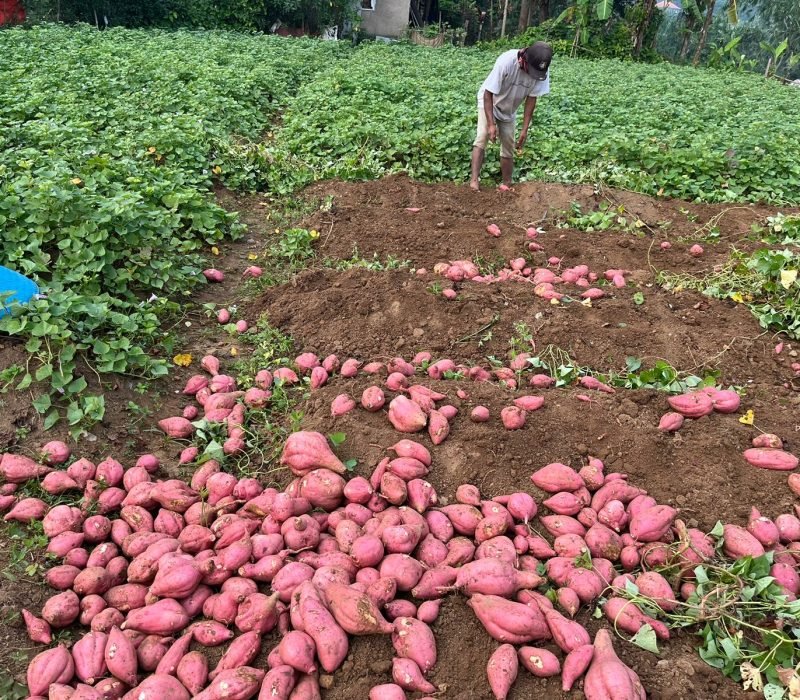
297	409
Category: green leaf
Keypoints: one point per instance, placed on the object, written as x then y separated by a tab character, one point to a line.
44	372
718	529
77	386
646	639
337	438
603	8
25	382
74	414
351	464
638	298
733	14
42	403
773	692
633	364
50	419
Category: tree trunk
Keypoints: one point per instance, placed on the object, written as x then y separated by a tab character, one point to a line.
524	15
687	38
543	10
641	30
505	16
701	43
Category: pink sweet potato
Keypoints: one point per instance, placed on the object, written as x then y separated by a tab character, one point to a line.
355	612
317	621
770	458
557	477
507	621
567	634
387	691
158	687
738	542
407	674
653	585
50	666
627	616
278	683
502	670
120	657
192	671
575	665
693	405
38	629
406	415
88	654
163	617
236	684
307	450
413	639
607	676
540	662
297	650
652	524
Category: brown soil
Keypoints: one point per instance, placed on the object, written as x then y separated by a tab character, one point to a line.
378	315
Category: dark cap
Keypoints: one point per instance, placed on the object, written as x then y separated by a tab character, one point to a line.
538	57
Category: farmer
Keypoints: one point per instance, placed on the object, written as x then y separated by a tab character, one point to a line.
516	76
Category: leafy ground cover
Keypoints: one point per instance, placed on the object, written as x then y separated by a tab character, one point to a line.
107	162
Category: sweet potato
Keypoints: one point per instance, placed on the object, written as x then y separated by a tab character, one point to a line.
317	621
278	683
556	477
575	665
652	524
540	662
355	612
502	670
235	684
387	691
607	676
738	542
120	657
406	415
627	616
507	621
413	639
163	617
50	666
654	586
567	634
693	405
307	450
770	458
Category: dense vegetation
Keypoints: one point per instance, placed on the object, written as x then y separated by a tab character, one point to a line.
107	160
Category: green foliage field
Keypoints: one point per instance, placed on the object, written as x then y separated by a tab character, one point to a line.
110	143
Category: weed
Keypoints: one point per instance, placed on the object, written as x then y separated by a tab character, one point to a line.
607	216
435	288
8	375
765	280
356	260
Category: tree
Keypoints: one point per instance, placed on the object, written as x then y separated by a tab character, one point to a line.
701	42
525	8
646	10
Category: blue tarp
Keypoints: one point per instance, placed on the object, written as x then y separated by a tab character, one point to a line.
14	289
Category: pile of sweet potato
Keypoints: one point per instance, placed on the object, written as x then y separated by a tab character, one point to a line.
156	570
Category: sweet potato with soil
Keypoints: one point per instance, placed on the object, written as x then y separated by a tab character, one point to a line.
575	665
653	585
413	639
297	650
61	610
17	469
158	687
192	671
556	477
502	670
507	621
278	683
603	542
406	415
408	676
539	662
435	582
463	517
692	405
770	458
564	503
307	450
627	616
317	621
438	427
652	524
387	691
120	657
236	684
738	542
373	399
355	612
163	617
608	678
50	666
763	529
567	634
494	577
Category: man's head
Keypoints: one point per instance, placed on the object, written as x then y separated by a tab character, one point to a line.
535	60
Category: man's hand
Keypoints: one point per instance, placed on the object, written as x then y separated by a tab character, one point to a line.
493	132
523	136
